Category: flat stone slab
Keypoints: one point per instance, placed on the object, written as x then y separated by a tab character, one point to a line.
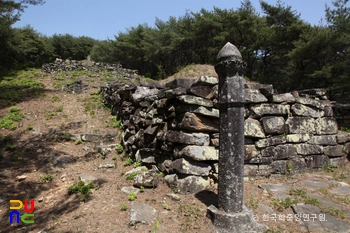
282	196
88	179
327	203
129	190
142	213
343	190
315	184
312	219
276	187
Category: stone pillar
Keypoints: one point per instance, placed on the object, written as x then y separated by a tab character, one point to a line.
231	215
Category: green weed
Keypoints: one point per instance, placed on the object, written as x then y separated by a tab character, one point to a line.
131	176
81	187
132	196
45	178
123	207
128	162
119	148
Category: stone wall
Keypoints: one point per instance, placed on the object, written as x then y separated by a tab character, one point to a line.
67	65
176	128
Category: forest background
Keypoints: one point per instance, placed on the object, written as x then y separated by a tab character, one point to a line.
279	47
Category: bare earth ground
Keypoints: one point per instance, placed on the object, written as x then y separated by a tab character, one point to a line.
40	139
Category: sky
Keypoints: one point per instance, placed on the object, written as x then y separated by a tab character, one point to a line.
103	19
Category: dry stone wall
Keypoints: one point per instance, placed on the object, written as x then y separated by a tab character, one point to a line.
176	128
68	65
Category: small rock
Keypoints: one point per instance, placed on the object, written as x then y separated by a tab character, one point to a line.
142	213
40	199
107	165
22	177
174	197
129	190
343	190
276	187
39	151
138	169
88	179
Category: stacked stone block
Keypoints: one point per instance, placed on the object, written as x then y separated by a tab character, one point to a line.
176	128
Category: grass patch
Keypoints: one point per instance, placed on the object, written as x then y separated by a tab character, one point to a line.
8	121
15	86
132	196
81	187
131	176
45	178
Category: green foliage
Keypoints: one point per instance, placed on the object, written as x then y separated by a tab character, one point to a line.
138	164
119	148
124	207
128	161
132	196
45	178
7	121
131	176
283	204
79	141
81	187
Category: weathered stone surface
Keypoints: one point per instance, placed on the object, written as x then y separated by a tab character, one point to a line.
346	148
271	141
143	92
129	190
211	112
325	202
107	165
172	92
191	121
190	99
183	166
285	97
142	213
279	152
261	160
136	170
279	167
326	125
88	179
145	156
324	225
198	153
21	178
206	81
295	165
338	162
252	128
297	138
333	151
148	179
276	187
242	221
284	152
342	190
199	139
187	184
313	184
270	109
310	102
303	110
327	140
91	137
308	149
251	170
274	125
250	152
343	137
205	92
301	125
317	161
254	96
264	170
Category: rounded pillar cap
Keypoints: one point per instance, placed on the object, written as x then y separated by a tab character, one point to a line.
229	52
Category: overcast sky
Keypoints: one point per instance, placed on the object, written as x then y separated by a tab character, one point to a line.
105	18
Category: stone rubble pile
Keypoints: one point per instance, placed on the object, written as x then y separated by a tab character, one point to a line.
68	65
176	128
